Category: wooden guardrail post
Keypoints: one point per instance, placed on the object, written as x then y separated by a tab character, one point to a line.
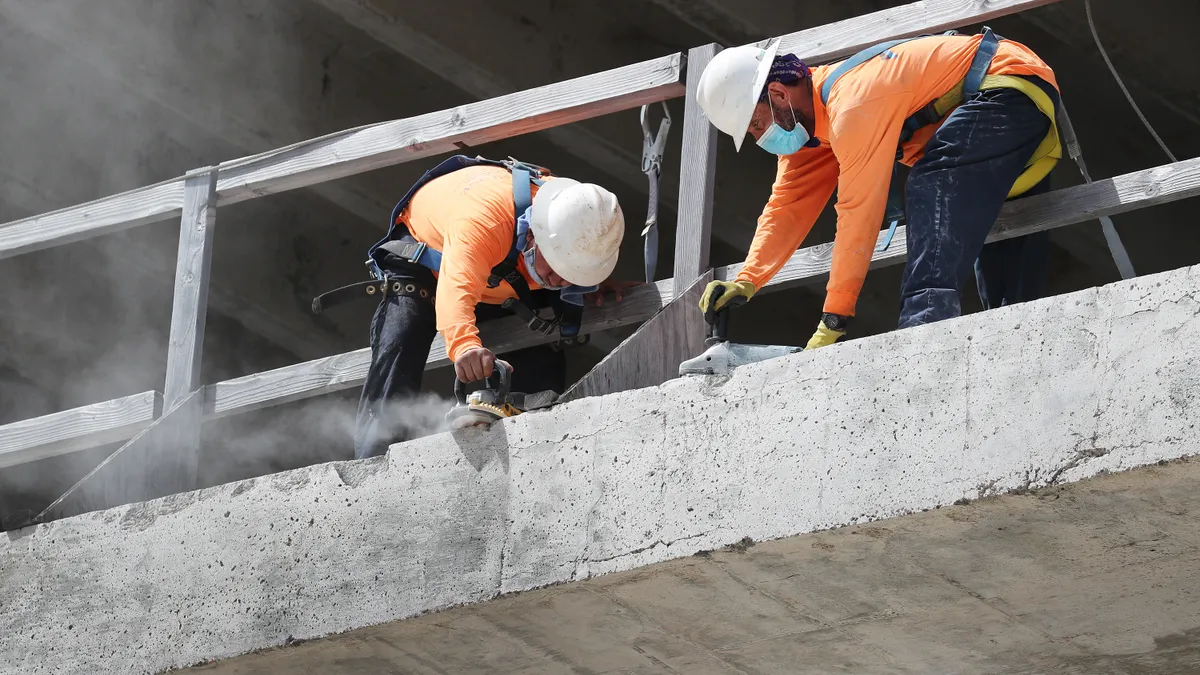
697	178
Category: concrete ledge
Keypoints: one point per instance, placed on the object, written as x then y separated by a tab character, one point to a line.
1024	396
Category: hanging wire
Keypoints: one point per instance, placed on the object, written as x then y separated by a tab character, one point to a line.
1087	5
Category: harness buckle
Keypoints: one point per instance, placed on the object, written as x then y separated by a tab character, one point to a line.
374	269
418	251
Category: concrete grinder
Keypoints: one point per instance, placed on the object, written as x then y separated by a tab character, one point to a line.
722	356
492	403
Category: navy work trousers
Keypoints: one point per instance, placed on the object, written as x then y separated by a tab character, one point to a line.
402	332
954	194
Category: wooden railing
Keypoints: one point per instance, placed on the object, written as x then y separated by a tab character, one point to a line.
194	198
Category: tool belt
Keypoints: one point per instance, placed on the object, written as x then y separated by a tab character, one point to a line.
372	289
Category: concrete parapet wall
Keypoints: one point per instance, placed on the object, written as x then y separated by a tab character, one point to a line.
1051	391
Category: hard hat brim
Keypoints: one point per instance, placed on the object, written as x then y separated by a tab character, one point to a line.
760	81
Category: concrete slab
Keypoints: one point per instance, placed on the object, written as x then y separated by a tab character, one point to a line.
1016	398
1095	577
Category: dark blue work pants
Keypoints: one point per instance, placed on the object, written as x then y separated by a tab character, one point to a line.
953	196
402	332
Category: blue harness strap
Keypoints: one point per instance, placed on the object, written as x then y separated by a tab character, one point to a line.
971	83
981	62
854	62
523	177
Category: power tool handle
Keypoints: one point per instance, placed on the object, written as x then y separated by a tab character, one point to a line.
720	327
501	371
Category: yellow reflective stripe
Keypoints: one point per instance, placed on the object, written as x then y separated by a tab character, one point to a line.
1049	151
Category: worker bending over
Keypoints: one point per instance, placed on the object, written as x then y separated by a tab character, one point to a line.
489	233
973	116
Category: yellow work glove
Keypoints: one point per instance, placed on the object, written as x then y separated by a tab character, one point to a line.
721	294
825	335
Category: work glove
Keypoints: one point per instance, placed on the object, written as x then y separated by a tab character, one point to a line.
721	294
829	330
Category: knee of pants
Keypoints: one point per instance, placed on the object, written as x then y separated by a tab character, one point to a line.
928	306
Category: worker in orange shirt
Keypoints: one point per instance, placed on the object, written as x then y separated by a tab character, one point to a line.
477	236
974	118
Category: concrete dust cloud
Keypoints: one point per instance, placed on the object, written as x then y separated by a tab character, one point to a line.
305	433
105	97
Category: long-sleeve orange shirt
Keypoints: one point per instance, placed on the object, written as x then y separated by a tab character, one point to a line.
468	216
859	132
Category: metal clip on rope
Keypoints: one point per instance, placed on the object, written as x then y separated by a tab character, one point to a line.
652	156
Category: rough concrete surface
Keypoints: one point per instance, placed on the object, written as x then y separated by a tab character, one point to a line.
1094	578
1025	396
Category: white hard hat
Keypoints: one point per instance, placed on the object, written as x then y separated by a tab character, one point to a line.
578	227
730	86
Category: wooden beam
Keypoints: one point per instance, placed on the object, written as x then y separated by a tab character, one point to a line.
476	79
842	38
103	216
77	429
378	145
652	354
697	178
193	270
345	371
170	458
355	151
1081	203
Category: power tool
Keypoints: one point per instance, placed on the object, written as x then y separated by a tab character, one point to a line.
723	356
492	403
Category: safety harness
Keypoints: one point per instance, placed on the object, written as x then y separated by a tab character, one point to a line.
1047	154
399	247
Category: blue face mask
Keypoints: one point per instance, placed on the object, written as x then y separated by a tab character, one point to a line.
779	141
530	256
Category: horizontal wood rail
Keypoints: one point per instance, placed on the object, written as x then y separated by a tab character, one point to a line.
77	429
373	146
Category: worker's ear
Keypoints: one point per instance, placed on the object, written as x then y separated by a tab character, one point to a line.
778	94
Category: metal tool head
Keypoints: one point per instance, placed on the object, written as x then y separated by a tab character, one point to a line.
482	407
722	357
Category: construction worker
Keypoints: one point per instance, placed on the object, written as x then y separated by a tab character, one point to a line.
501	235
974	118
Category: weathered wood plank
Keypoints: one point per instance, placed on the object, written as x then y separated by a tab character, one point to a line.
354	151
77	429
652	354
1081	203
344	371
478	79
102	216
837	40
697	178
377	145
193	269
171	458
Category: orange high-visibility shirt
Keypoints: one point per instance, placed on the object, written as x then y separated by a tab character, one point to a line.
859	132
468	216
